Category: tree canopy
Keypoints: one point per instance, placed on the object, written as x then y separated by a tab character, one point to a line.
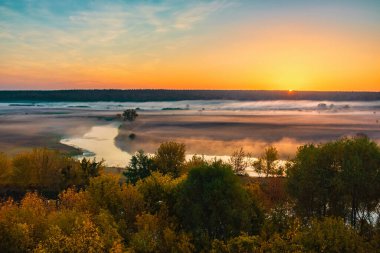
328	201
340	178
212	203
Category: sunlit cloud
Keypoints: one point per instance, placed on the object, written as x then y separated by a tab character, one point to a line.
189	44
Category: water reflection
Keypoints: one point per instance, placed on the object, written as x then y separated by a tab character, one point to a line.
99	143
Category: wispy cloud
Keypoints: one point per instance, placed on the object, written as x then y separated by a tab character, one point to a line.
187	18
105	23
122	36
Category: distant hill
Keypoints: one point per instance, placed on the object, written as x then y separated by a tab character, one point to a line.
176	95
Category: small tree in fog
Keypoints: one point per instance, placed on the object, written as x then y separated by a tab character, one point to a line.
268	163
130	115
239	161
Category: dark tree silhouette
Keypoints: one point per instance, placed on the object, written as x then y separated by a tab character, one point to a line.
129	115
139	167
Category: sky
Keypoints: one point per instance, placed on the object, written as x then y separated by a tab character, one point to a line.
216	44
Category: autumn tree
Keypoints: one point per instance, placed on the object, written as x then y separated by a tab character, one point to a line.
158	190
239	244
105	193
156	233
22	225
170	157
240	161
121	201
72	232
74	200
40	168
5	169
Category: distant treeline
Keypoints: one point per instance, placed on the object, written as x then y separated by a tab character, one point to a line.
176	95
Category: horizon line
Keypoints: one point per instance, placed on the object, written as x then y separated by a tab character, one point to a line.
152	89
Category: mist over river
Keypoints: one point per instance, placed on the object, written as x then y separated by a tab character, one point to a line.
211	128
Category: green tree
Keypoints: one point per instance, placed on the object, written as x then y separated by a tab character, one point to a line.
311	181
91	168
170	158
360	174
268	163
330	235
213	204
194	162
139	167
339	178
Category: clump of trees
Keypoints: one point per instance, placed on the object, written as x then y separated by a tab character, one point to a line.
340	178
213	204
169	159
268	163
129	115
240	160
168	204
46	171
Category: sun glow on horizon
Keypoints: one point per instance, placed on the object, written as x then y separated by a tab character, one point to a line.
204	45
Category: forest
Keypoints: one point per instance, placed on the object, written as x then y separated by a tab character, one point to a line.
141	95
325	199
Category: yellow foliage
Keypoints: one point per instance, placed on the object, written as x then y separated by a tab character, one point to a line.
133	204
109	230
84	237
71	199
22	224
5	169
158	189
41	167
156	234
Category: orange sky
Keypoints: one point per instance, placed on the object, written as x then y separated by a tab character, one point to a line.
207	45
